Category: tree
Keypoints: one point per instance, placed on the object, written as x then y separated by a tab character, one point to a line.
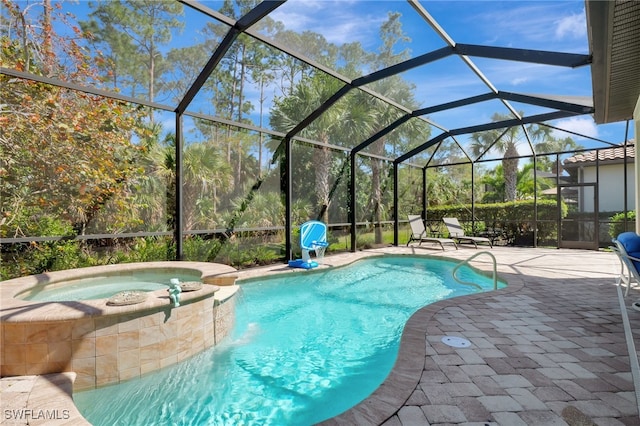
379	116
356	116
552	146
289	111
132	33
65	154
246	62
525	188
447	185
205	171
506	144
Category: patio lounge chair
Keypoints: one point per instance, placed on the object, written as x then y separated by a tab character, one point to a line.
627	247
419	233
313	238
457	233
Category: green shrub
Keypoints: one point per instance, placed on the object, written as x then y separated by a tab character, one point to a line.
150	249
40	257
516	217
242	256
197	249
44	256
617	223
365	241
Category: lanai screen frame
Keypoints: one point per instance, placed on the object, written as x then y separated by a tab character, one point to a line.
564	107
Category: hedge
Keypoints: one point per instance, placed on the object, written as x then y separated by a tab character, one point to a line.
618	225
515	217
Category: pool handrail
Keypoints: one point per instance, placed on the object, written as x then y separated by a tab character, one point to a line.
466	262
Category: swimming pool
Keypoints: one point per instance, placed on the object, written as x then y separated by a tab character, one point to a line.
306	347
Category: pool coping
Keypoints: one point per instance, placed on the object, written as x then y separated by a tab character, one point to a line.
40	400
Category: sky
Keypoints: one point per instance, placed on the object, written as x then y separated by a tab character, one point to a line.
541	25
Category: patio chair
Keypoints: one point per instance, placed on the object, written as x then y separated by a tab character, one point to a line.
627	247
419	233
457	233
313	238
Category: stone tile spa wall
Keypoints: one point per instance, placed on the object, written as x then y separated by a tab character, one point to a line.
106	344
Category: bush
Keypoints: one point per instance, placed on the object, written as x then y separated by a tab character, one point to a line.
243	256
198	249
618	225
44	256
40	257
150	249
515	218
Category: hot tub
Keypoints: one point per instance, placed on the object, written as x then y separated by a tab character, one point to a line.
103	286
106	344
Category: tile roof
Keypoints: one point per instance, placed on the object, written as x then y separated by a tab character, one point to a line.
607	154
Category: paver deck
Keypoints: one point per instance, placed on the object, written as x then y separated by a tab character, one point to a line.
550	349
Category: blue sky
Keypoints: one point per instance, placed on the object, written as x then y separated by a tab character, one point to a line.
541	25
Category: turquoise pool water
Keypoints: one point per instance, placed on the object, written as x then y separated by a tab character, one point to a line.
104	287
306	347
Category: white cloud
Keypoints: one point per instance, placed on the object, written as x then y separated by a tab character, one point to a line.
295	21
532	24
519	80
574	26
334	19
581	125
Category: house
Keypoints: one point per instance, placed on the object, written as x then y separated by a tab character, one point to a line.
605	168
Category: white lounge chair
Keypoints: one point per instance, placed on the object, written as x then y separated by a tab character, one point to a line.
419	233
457	233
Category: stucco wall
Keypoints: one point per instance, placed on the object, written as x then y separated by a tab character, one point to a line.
610	188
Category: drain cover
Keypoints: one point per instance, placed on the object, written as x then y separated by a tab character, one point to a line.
456	342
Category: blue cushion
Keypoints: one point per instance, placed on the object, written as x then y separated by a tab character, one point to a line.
631	243
299	263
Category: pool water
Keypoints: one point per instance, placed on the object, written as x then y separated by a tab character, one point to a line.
106	286
306	347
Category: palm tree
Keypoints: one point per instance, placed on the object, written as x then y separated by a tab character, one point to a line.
155	196
525	184
554	145
507	144
288	112
205	171
367	117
